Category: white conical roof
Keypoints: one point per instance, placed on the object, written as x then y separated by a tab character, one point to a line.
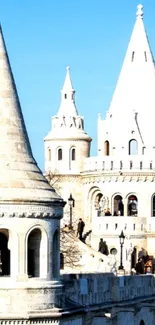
67	124
135	89
21	181
67	106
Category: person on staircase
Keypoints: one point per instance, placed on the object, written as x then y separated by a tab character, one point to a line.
103	247
80	228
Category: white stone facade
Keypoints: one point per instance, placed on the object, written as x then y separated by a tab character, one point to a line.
121	177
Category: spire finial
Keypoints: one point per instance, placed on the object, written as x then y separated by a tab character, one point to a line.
67	68
139	13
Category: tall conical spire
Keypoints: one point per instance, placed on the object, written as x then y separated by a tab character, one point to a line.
135	89
67	106
21	181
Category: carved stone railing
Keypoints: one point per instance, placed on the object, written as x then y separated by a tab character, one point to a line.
94	289
115	164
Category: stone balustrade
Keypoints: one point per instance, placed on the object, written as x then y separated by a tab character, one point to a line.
112	163
117	224
93	289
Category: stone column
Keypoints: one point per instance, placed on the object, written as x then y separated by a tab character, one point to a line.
22	258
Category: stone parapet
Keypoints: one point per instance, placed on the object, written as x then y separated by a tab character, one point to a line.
94	289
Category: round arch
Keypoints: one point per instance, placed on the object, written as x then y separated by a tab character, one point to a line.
133	147
59	153
153	205
37	251
55	255
5	256
132	204
117	204
90	200
106	148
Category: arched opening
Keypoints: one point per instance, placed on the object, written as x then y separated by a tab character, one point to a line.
49	154
73	154
34	241
133	147
4	254
132	205
59	154
142	322
99	206
153	206
118	206
55	255
106	148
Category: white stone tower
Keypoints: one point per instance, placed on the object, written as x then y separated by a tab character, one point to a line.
30	212
66	147
122	176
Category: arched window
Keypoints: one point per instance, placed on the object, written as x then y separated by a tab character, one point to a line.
133	147
153	206
34	241
118	209
106	148
55	255
49	154
59	154
132	206
99	204
4	253
73	154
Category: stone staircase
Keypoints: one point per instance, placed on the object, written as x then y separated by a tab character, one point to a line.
85	259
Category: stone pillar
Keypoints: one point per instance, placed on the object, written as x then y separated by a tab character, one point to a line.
14	257
22	258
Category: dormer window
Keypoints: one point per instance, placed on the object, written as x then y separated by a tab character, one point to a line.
65	96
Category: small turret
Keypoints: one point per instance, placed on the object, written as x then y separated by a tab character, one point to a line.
67	144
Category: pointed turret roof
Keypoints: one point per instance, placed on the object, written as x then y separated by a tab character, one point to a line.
67	124
21	181
135	89
67	106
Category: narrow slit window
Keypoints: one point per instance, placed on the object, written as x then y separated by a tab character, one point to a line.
150	165
59	154
141	165
111	165
121	165
73	154
145	56
130	164
133	54
65	96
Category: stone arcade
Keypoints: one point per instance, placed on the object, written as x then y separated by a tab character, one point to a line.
122	176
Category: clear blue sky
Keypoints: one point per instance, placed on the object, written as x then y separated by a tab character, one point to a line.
91	36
